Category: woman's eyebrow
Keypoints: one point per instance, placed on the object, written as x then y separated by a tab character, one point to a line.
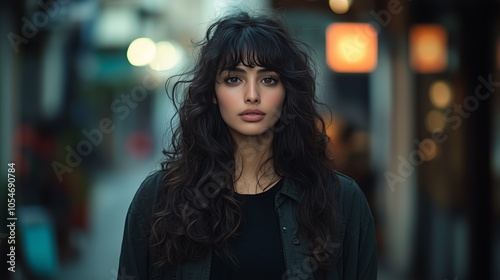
237	69
264	70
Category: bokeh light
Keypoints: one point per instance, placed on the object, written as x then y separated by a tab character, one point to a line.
167	56
428	48
351	47
340	6
440	94
141	51
434	120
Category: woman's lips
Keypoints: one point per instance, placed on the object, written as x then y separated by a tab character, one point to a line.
252	115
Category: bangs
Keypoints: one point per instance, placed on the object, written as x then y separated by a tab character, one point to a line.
250	46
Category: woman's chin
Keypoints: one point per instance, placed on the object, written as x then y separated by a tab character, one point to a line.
253	133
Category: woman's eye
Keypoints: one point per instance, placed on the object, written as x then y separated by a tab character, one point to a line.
269	80
232	80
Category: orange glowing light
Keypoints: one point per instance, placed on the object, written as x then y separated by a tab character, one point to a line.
428	48
351	47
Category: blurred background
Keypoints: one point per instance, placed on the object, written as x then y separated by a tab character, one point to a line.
413	87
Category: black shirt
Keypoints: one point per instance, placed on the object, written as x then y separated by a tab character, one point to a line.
257	248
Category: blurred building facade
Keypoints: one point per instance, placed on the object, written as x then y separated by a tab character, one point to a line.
419	131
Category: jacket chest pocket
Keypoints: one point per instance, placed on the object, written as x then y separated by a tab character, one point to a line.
304	266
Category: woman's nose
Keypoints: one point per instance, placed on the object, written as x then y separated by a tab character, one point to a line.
252	94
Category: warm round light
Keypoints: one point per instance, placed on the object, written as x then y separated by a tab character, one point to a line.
434	121
141	51
440	94
166	57
340	6
428	149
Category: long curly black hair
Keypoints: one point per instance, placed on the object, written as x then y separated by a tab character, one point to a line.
198	210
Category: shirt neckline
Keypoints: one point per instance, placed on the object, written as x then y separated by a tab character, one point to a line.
272	190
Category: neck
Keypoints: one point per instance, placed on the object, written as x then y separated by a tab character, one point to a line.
254	164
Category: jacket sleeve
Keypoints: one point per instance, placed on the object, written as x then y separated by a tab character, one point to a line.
134	260
367	264
359	246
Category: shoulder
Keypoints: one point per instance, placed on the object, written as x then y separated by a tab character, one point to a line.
348	188
147	193
351	199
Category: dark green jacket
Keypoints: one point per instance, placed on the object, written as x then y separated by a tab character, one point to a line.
357	259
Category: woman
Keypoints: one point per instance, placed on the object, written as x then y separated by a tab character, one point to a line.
247	190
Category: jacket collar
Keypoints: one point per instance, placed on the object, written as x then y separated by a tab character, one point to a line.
290	189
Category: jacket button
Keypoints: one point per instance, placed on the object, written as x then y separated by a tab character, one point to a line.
295	242
284	230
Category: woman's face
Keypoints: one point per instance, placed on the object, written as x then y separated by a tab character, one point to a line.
250	99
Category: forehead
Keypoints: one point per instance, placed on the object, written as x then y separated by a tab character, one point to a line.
246	70
240	67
